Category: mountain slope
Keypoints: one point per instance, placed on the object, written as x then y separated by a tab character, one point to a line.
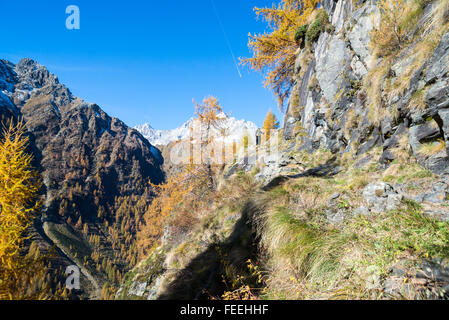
95	169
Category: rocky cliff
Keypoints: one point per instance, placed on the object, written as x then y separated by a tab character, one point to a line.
94	169
353	202
333	100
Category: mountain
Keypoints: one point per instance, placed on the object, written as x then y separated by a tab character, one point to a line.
235	130
95	171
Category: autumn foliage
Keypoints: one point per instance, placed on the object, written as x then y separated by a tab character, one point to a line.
19	184
176	202
274	53
182	191
392	31
270	123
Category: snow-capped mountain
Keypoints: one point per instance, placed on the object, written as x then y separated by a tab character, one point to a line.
235	129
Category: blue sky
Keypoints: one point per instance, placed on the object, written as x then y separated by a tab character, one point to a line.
143	61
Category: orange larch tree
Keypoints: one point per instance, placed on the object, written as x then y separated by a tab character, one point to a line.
274	52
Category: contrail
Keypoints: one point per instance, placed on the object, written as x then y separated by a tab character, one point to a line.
226	37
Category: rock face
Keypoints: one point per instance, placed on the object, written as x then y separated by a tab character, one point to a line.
88	160
427	281
328	101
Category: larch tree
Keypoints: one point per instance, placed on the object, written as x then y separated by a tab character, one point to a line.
270	123
274	52
19	185
188	187
183	188
209	117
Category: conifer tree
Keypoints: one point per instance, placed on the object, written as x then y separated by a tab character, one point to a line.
274	53
19	185
210	116
270	123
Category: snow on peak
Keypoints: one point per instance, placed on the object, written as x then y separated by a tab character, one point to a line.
235	130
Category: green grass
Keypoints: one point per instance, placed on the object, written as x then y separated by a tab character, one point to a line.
315	29
301	32
316	260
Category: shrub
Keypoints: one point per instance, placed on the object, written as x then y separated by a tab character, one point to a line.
389	37
301	33
319	25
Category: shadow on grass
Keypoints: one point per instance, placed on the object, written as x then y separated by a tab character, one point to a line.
203	277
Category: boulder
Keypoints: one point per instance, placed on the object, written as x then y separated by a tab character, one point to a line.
381	197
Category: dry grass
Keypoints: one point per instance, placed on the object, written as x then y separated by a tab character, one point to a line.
373	86
352	122
426	41
431	148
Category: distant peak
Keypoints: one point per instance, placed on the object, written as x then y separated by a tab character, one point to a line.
236	129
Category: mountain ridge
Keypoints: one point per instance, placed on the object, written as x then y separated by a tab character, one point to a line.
237	129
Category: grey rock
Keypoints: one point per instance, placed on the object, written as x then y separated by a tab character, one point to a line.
437	97
329	6
435	197
425	280
444	116
137	289
381	197
335	196
374	140
399	67
289	126
439	214
329	66
359	68
359	36
361	211
341	12
438	65
426	132
33	75
440	186
362	162
419	198
335	216
437	163
153	291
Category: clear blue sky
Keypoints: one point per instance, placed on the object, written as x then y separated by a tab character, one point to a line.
143	61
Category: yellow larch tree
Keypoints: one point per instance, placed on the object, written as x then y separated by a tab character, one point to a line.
19	185
209	117
184	188
274	52
183	191
270	123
